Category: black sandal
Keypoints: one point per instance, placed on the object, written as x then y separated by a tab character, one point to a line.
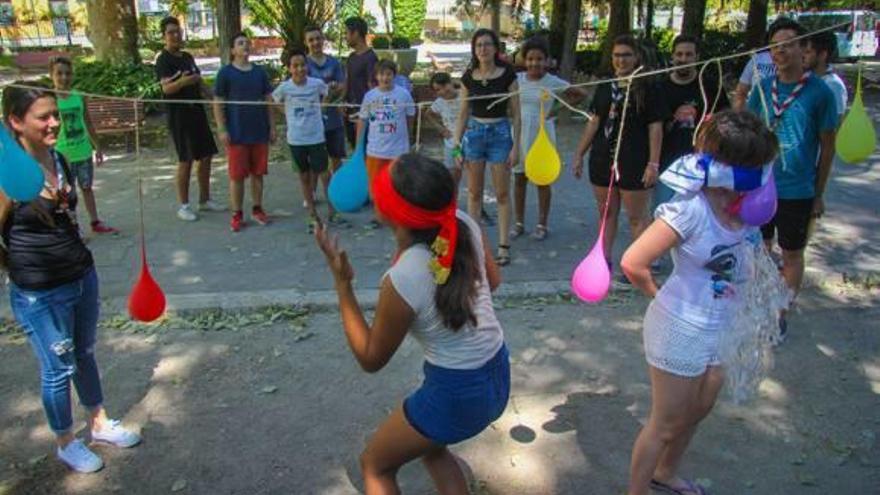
503	258
689	488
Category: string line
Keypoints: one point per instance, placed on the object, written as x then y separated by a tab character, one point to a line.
498	96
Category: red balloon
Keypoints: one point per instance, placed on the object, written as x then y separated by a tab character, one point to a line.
147	301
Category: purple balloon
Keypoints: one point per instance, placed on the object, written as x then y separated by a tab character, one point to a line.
759	205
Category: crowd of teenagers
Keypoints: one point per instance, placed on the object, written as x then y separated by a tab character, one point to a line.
689	159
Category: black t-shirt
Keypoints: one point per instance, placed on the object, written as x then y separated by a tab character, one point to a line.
634	150
175	66
45	255
499	85
684	109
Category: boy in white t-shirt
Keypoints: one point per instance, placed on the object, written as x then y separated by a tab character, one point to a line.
302	96
387	111
446	107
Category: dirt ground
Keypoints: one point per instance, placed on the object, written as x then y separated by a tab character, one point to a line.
273	402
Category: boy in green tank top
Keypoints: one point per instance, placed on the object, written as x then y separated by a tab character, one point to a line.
77	140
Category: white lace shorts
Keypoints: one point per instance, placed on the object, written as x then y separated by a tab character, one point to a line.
676	346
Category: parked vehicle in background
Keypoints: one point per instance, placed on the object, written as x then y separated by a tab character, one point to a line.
857	38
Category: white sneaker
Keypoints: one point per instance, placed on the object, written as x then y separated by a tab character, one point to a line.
79	458
211	205
186	214
305	205
114	434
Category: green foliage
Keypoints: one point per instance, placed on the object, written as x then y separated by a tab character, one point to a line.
274	70
381	43
282	16
409	17
128	80
400	43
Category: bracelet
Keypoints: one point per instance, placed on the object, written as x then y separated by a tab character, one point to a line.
456	151
655	166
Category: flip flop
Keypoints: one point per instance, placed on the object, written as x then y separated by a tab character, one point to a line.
690	488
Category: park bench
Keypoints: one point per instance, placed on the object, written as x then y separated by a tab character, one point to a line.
36	60
111	116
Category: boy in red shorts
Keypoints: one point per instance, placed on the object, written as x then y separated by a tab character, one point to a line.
245	130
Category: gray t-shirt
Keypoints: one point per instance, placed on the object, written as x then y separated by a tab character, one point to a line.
468	348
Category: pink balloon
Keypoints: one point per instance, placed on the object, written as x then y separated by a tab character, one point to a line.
759	206
592	279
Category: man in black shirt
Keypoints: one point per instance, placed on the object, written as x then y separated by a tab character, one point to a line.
187	122
684	100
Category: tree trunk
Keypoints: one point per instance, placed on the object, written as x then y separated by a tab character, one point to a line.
640	13
671	23
113	30
495	6
228	23
649	19
619	22
694	15
756	23
557	28
569	41
299	25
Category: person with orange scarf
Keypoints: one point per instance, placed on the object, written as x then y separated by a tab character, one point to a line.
438	290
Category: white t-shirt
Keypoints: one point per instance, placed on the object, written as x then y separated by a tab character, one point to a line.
448	111
302	108
386	113
766	68
835	83
470	347
530	108
711	263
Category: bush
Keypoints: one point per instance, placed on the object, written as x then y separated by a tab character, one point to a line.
274	70
588	61
381	43
128	80
408	17
400	43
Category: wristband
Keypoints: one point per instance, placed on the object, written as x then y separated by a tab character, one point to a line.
655	166
456	152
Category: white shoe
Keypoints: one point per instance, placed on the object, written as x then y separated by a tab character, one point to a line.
79	458
186	214
211	205
114	434
305	204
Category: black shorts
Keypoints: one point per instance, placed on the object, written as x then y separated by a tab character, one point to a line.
309	158
791	223
191	133
630	177
335	140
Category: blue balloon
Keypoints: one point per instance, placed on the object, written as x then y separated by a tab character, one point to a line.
348	190
20	176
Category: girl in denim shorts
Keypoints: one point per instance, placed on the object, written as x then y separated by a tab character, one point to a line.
439	291
483	134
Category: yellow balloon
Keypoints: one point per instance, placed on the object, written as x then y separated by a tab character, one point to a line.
543	165
856	138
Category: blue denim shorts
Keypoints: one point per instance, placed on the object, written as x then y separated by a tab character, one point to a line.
490	143
454	405
83	172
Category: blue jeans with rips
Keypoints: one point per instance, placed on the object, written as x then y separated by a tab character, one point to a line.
61	324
